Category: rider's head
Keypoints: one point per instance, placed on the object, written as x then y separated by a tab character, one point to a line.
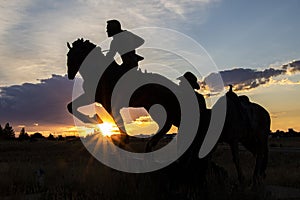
230	88
191	78
113	27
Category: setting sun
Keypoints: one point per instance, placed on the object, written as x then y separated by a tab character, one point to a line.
108	129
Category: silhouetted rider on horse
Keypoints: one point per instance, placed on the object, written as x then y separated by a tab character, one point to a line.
124	43
191	155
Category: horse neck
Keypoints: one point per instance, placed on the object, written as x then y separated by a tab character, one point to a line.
114	72
93	66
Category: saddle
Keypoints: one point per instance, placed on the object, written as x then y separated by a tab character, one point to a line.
243	105
247	107
131	59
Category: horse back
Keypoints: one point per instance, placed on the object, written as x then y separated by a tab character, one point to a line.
258	116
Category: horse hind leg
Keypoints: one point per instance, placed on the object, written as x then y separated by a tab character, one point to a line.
265	161
260	166
256	174
158	136
236	159
265	155
261	161
161	115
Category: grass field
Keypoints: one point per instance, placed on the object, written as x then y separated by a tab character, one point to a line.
65	170
285	142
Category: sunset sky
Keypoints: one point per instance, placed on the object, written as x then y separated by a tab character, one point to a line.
255	45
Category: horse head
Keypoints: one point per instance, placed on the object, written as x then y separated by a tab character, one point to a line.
76	55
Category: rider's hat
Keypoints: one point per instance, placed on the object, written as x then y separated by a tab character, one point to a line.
191	78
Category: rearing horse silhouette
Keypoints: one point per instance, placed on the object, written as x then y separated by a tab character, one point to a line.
99	83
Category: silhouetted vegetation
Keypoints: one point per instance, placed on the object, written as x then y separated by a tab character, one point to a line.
290	133
7	133
38	169
41	170
23	135
1	132
50	137
37	136
60	138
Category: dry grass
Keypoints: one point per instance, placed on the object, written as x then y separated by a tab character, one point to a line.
283	167
70	172
285	142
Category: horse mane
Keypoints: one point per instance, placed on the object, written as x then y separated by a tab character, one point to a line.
77	53
81	43
81	48
84	47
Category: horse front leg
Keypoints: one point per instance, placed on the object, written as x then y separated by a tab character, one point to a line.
234	146
82	100
124	139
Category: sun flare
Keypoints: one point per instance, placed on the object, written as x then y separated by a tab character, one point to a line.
108	129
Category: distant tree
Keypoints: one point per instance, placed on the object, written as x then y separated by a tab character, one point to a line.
23	135
276	134
1	133
50	137
37	136
8	132
60	138
291	132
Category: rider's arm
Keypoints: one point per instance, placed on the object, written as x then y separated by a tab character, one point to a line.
123	43
136	40
128	41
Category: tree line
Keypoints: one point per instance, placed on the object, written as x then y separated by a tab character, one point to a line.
8	133
280	134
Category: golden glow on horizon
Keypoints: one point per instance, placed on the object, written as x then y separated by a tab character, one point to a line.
279	97
284	107
108	129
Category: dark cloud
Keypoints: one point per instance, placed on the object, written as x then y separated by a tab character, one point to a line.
292	67
43	103
245	79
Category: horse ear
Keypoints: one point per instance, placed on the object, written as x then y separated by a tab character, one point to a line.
68	45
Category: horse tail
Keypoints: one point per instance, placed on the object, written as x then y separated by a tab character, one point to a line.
265	147
265	130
